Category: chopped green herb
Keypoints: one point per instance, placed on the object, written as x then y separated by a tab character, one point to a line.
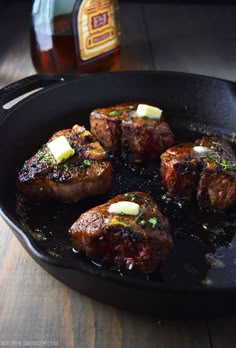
145	117
41	154
232	166
227	165
43	157
87	162
130	107
131	195
142	223
224	163
116	112
153	222
66	167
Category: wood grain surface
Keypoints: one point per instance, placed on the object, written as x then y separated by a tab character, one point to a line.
35	309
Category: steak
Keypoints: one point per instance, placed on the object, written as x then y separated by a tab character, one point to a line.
205	170
121	132
124	241
88	172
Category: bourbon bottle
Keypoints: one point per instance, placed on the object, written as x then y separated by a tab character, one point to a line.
74	36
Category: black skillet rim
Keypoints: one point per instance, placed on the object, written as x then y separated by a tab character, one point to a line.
30	244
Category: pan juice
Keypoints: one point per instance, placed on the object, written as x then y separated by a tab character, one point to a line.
203	254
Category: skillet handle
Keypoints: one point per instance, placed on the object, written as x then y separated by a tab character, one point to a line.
28	84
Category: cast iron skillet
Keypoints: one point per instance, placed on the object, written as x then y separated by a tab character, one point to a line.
199	276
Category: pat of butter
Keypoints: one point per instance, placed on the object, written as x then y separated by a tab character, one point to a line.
60	148
124	207
148	111
201	149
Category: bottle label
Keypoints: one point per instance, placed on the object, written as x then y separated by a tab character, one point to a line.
97	28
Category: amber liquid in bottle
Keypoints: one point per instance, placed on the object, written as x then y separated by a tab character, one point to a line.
55	51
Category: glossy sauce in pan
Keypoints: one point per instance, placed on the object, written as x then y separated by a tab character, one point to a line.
204	252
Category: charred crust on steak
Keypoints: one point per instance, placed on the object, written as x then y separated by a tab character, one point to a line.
43	177
210	174
121	240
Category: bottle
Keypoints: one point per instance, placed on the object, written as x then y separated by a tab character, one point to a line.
74	36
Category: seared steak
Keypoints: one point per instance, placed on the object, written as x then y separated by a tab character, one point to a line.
120	131
86	173
125	241
105	124
180	170
205	169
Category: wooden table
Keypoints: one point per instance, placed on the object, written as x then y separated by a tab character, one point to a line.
35	309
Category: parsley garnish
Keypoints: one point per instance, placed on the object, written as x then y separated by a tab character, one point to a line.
224	163
153	222
43	157
131	195
116	112
41	154
87	162
130	107
142	223
227	165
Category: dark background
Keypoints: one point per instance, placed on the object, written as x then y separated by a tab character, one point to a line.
5	2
